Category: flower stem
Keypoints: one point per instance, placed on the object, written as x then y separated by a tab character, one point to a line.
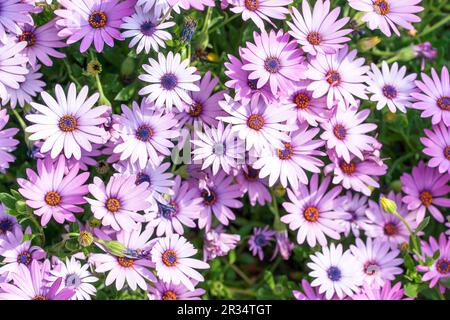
224	23
103	99
241	274
434	27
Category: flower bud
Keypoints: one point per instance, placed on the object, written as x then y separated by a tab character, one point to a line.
115	248
188	30
212	57
368	43
85	238
95	223
406	54
21	207
94	67
388	205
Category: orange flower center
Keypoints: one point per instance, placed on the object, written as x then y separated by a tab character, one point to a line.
301	100
311	214
444	103
68	123
98	19
113	205
169	295
381	7
333	78
170	258
125	262
255	121
286	153
348	168
390	229
426	198
252	5
52	198
314	38
195	109
29	37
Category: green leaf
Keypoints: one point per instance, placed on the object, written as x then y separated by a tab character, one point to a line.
232	257
423	224
411	290
8	200
268	278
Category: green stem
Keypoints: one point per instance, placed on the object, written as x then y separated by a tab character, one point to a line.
224	23
37	224
23	125
103	99
207	19
241	274
69	72
436	26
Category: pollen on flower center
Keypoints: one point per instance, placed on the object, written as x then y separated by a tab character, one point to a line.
147	28
125	262
443	266
334	273
252	5
255	121
390	229
169	295
348	168
144	133
314	38
381	7
389	92
301	100
169	81
444	103
68	123
113	205
252	84
311	214
340	132
447	152
426	198
52	198
371	267
209	197
39	297
170	258
24	258
272	65
98	19
195	109
29	37
333	78
286	153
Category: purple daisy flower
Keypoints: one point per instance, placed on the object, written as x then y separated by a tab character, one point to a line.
53	191
426	189
319	30
196	4
7	142
13	12
218	243
117	204
377	260
273	59
339	76
260	238
8	223
437	146
170	291
391	87
434	98
309	293
283	246
172	257
355	205
386	14
92	21
69	123
12	66
255	187
314	212
386	292
261	10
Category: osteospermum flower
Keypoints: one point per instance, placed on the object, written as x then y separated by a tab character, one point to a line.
261	10
53	192
12	66
339	76
8	223
288	164
425	190
173	264
255	187
117	204
7	142
159	6
69	123
273	59
309	293
284	246
170	81
41	43
345	133
262	126
386	14
218	243
437	146
196	4
132	270
13	12
92	21
314	212
170	291
260	238
75	276
145	132
355	205
386	292
335	272
434	98
319	30
391	87
146	31
378	262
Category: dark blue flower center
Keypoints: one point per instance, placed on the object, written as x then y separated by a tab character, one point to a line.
167	211
72	280
340	132
144	133
443	266
389	92
98	19
24	258
272	65
251	174
147	28
209	197
260	240
252	84
444	103
68	123
169	81
142	177
286	153
334	273
6	225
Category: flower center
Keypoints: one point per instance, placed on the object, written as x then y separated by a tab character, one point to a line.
311	214
333	78
52	198
286	153
24	258
340	132
170	258
390	229
68	123
6	225
98	19
301	100
381	7
29	37
195	109
142	177
371	267
443	266
426	198
251	174
39	297
348	168
147	28
314	38
447	152
209	197
169	81
444	103
169	295
252	5
389	92
272	65
219	149
125	262
260	240
72	280
334	274
167	211
255	121
113	205
144	133
252	84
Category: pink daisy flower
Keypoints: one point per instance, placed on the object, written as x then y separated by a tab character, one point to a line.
309	293
12	66
339	76
345	132
318	30
437	146
255	187
117	204
288	164
13	12
261	10
386	292
426	189
7	142
434	98
92	21
273	59
218	243
355	205
391	87
386	14
172	257
170	80
53	191
170	291
69	123
314	212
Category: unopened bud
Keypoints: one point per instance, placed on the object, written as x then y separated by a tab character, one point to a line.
94	67
85	238
406	54
388	205
95	223
368	43
115	248
212	57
